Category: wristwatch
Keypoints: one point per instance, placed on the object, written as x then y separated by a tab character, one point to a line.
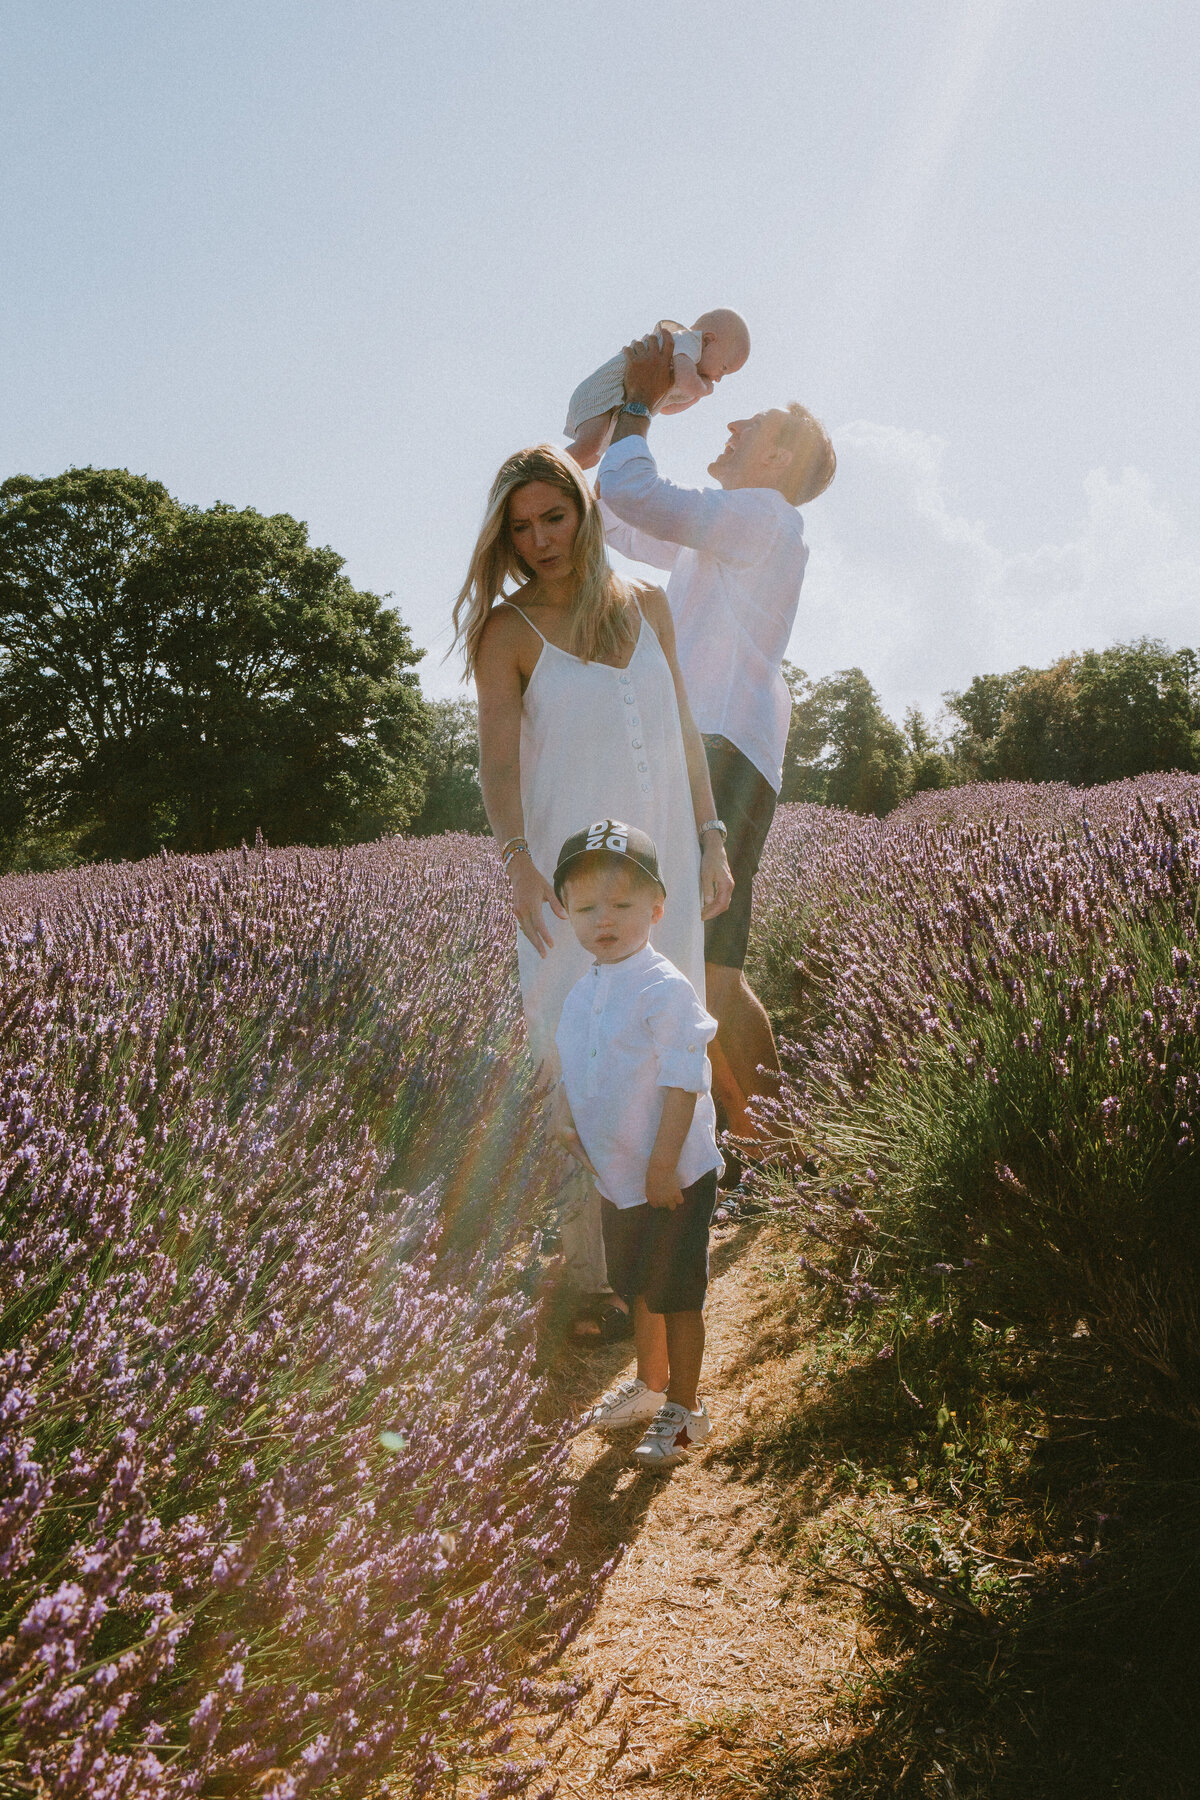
714	825
638	410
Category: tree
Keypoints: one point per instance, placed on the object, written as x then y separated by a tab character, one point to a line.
1034	742
980	707
1134	712
453	801
843	750
928	765
1089	718
75	658
178	677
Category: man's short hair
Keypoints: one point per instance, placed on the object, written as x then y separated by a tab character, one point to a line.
813	462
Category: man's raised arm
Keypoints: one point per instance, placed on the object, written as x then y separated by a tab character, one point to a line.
637	545
734	527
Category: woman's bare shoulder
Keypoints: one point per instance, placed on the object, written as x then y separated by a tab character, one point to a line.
507	639
653	602
504	626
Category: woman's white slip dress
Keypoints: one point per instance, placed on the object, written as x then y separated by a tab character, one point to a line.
605	743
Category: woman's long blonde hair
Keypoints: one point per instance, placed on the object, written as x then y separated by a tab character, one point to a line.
599	615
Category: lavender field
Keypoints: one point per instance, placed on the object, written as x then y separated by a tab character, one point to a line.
993	1002
278	1515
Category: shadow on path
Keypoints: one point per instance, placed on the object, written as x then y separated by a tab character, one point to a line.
612	1494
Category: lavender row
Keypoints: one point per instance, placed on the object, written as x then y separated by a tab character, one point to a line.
994	1056
276	1512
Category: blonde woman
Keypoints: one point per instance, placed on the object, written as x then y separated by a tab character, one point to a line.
582	716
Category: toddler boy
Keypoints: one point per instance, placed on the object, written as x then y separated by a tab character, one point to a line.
634	1107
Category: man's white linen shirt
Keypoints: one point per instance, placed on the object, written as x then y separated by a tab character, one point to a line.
628	1030
737	561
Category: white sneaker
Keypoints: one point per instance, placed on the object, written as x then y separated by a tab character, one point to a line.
630	1404
672	1434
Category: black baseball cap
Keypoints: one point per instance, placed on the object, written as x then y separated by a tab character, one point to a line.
618	840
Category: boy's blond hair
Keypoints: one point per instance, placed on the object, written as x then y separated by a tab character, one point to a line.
813	464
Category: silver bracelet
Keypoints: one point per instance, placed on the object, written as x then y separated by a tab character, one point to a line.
714	825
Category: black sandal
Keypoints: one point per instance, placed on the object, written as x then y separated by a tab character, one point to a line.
613	1323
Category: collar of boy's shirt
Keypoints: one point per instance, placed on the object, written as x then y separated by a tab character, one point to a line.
637	964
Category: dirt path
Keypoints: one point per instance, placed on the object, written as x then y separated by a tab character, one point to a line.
711	1655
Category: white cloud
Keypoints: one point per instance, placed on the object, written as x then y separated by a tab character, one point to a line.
922	599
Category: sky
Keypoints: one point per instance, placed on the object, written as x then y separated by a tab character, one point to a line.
339	258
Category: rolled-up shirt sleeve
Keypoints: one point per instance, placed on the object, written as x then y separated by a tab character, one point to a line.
681	1031
739	527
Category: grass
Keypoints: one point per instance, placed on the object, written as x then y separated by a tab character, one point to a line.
1021	1539
994	1454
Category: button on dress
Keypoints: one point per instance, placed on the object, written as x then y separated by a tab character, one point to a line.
605	743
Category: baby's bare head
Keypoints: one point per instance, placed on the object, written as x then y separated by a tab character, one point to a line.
726	342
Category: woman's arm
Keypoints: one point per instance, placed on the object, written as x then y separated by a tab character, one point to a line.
716	882
498	686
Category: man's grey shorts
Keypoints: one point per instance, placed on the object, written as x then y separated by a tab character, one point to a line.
745	800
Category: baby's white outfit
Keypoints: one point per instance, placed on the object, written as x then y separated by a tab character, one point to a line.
628	1030
604	389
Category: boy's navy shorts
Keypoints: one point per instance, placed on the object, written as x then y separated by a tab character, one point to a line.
661	1253
746	801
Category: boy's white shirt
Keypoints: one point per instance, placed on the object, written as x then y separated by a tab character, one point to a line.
628	1030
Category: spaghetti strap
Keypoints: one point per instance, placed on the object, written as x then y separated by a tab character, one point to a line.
527	620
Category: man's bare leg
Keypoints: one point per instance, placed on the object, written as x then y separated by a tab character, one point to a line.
728	1096
746	1043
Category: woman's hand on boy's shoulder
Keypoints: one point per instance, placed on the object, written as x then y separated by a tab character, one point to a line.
530	893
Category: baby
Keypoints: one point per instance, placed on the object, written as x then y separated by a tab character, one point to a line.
717	344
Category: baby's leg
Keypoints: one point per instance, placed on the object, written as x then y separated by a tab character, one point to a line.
590	440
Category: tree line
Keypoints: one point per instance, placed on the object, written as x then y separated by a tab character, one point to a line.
1093	716
180	678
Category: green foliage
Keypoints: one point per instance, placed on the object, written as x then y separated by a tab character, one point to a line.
184	678
453	801
929	768
993	1181
1099	716
842	748
1090	718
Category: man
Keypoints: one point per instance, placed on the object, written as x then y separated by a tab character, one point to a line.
736	556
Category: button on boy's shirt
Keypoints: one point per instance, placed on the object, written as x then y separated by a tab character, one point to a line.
628	1030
